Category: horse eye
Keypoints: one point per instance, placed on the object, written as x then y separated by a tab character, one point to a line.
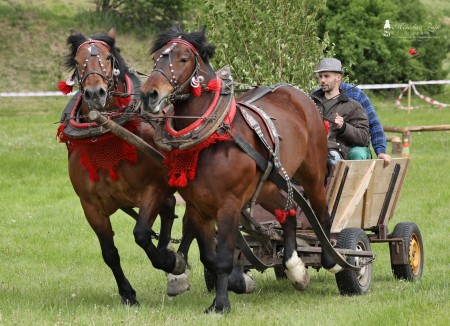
184	60
109	57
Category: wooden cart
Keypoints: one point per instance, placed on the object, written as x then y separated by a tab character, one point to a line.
362	197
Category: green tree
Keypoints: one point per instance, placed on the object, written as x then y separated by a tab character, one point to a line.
265	42
144	14
373	54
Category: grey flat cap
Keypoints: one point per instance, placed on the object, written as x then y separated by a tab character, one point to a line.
329	64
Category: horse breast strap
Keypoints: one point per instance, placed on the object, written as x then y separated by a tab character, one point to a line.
212	123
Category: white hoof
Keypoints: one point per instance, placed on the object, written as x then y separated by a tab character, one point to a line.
177	284
249	284
335	269
297	273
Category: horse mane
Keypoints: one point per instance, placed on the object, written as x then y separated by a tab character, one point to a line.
197	39
76	39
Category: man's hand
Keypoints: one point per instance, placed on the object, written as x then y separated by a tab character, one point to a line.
339	121
385	157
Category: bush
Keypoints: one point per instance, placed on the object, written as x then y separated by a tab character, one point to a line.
265	42
373	54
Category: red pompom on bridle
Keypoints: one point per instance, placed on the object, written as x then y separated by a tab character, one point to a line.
196	87
66	86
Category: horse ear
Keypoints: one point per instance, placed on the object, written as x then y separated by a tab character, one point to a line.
203	30
112	33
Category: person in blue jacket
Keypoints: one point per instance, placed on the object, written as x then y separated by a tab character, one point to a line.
377	136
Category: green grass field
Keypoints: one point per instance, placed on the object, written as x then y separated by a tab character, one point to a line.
52	273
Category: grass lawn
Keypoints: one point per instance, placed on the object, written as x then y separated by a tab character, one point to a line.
52	273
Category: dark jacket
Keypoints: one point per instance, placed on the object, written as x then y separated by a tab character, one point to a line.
354	132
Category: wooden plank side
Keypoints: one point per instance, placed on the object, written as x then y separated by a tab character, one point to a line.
404	165
358	187
364	192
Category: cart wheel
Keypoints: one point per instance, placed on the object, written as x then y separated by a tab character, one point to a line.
413	250
279	272
210	280
350	281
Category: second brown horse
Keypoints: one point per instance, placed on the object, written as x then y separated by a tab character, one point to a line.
226	178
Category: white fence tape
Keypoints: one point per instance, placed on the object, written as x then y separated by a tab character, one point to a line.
27	94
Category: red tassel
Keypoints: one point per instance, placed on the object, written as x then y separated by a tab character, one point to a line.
123	102
213	85
60	133
64	88
280	215
196	91
181	181
292	212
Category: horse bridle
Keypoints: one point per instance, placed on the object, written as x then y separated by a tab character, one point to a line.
173	79
111	80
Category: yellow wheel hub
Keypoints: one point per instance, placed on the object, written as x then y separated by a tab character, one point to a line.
415	254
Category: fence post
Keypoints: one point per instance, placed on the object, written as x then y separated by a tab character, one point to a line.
409	96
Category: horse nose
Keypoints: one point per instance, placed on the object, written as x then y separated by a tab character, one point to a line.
95	97
149	99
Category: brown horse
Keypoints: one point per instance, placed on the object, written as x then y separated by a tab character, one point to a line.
107	174
227	178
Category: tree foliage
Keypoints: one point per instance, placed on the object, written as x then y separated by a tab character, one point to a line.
373	54
144	14
265	42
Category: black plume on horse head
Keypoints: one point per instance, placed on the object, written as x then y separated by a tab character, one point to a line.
197	39
74	41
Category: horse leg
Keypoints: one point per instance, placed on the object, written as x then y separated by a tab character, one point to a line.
178	284
227	228
314	186
101	225
294	267
163	257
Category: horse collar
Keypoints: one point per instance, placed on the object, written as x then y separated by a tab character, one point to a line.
219	114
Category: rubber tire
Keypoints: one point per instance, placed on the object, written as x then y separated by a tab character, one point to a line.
413	251
210	280
279	272
349	281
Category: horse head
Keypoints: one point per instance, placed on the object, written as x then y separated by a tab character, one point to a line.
98	68
181	67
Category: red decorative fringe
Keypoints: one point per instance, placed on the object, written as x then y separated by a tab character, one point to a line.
123	102
281	214
64	88
103	154
182	164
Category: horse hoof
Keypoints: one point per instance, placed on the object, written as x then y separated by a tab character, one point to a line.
130	301
241	283
297	273
249	284
180	265
335	269
217	310
177	284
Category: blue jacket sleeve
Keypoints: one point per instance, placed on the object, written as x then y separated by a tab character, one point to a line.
377	136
